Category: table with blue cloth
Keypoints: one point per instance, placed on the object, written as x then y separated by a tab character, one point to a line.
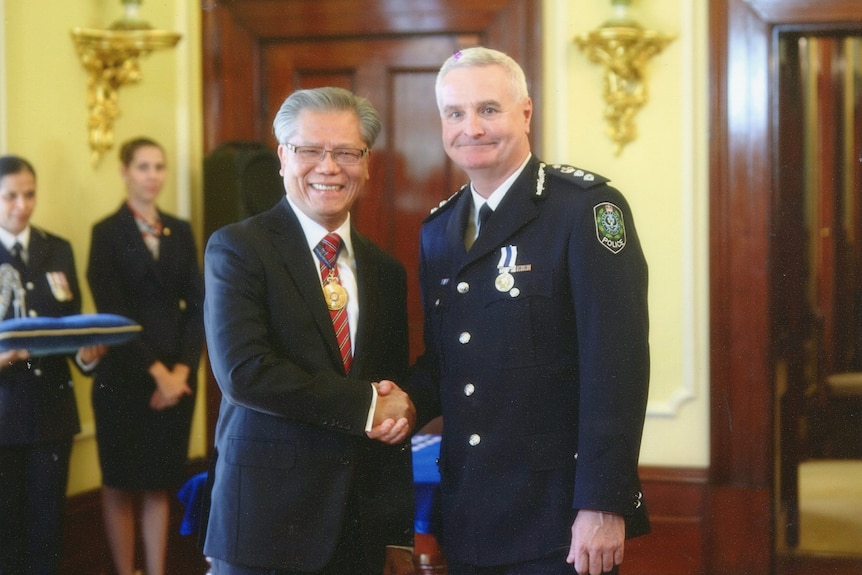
426	480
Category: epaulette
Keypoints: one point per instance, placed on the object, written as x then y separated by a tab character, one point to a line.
39	231
445	204
581	178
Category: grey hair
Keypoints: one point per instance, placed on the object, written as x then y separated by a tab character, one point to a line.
481	56
327	99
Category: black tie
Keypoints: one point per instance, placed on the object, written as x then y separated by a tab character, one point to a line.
16	255
484	213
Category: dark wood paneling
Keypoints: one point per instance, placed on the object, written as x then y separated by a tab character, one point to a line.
85	549
806	11
279	18
234	32
230	81
676	499
817	565
740	530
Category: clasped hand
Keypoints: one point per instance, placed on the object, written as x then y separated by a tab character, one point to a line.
171	385
394	414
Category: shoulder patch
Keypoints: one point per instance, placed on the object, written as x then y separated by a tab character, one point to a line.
610	226
581	178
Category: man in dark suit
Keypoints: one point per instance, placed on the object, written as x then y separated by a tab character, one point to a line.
38	413
536	340
306	326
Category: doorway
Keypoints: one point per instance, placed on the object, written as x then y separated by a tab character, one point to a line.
817	290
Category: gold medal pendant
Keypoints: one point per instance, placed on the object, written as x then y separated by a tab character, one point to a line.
334	293
504	282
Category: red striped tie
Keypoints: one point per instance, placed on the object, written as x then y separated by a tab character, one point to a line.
327	252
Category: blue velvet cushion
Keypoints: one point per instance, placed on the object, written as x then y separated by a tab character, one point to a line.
62	335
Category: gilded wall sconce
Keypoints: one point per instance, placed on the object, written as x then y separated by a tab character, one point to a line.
110	58
623	47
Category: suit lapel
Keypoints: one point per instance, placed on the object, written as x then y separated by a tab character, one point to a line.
290	244
368	286
456	227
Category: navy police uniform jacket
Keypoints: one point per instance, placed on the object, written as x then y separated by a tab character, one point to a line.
37	403
537	356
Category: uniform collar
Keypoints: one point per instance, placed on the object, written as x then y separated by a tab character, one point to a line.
497	195
8	240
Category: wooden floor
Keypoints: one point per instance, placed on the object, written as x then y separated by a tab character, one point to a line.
830	507
86	549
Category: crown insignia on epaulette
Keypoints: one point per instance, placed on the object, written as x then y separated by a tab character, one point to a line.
579	177
576	172
447	200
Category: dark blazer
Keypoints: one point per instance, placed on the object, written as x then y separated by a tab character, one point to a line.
292	451
543	386
37	403
164	296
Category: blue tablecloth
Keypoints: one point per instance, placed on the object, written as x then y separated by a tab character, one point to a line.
426	480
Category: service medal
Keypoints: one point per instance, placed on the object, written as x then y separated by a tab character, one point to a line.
504	282
59	286
335	294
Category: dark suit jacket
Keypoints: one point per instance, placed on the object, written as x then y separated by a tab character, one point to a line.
290	436
36	399
164	296
542	387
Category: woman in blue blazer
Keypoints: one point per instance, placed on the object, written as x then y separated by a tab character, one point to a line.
143	265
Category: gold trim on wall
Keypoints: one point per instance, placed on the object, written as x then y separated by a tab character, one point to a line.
623	47
110	58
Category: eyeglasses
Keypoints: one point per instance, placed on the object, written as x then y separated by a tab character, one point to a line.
315	154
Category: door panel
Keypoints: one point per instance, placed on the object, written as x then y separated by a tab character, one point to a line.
409	169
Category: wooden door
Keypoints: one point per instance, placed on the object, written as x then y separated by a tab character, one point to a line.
410	172
256	52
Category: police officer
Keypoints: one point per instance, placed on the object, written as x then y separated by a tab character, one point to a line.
534	289
38	414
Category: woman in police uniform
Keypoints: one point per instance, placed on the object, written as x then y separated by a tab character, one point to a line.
38	415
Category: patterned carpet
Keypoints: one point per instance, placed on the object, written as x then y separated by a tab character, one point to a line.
831	506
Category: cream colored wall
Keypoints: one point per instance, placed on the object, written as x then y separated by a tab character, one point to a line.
43	117
663	174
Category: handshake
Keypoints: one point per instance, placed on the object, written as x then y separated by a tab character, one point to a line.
394	414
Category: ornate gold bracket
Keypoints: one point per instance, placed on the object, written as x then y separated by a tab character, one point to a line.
623	47
111	60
